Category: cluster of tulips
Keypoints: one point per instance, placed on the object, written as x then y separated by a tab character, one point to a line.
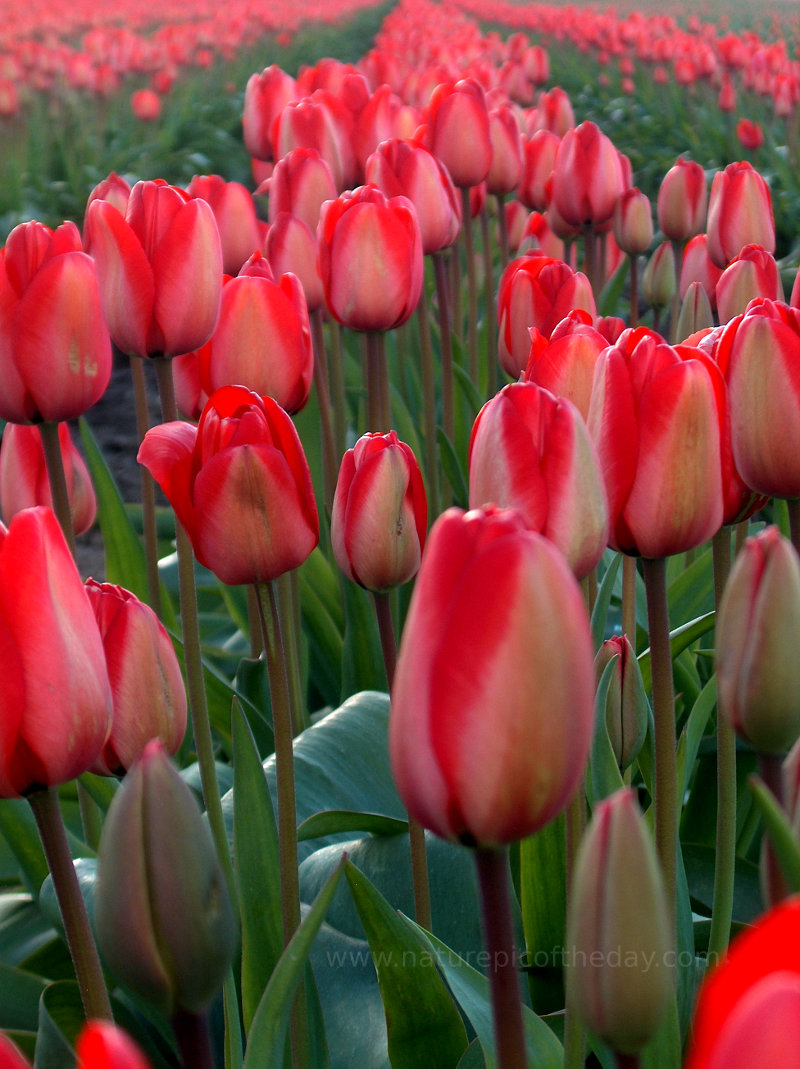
475	209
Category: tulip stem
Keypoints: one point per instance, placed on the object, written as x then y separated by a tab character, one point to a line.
629	599
666	791
495	890
321	382
502	229
634	290
148	488
770	769
793	505
57	479
725	857
472	287
379	411
429	402
193	661
677	252
491	326
78	930
446	343
338	392
416	833
193	1038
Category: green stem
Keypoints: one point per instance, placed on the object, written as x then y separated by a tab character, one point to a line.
725	856
321	384
491	317
677	250
378	406
472	287
429	403
192	655
289	602
629	598
634	291
193	1040
416	833
502	228
77	928
495	890
666	792
57	480
338	392
446	343
148	487
770	768
575	822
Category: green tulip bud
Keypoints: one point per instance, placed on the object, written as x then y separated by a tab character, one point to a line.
619	962
164	920
626	701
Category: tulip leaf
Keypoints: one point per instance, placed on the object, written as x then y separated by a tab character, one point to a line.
20	992
543	899
362	659
471	991
18	827
257	866
61	1018
612	291
781	834
266	1039
692	734
422	1022
336	821
691	592
453	470
679	639
603	601
605	777
700	862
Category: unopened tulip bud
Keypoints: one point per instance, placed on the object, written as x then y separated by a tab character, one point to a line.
618	967
753	273
739	213
758	673
164	921
626	701
682	201
102	1045
633	222
696	314
658	280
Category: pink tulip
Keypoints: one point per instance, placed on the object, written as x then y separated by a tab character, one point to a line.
588	177
458	131
235	213
682	200
739	213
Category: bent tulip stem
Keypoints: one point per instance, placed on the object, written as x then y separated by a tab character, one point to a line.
148	487
57	480
195	683
78	930
193	1040
495	890
666	797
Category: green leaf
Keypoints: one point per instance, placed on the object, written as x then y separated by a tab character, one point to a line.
362	658
422	1022
266	1039
679	640
61	1018
781	834
18	827
454	471
257	866
691	593
612	291
543	900
700	861
692	734
471	990
337	821
603	601
20	992
604	775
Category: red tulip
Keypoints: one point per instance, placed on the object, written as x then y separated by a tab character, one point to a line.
55	353
291	248
682	201
240	486
554	112
656	417
265	96
235	213
148	695
588	177
633	222
24	481
10	1055
56	694
697	266
539	159
564	363
750	134
102	1045
749	1005
320	122
145	105
114	189
535	291
458	131
753	273
493	699
380	514
370	259
505	171
159	269
301	183
739	213
530	451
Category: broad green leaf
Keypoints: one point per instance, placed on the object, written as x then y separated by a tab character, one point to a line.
664	1050
18	827
454	471
257	867
691	592
61	1018
700	862
543	900
337	821
422	1022
679	639
611	293
20	992
362	658
603	600
266	1039
86	871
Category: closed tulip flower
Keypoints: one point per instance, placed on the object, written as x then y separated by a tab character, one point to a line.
633	222
56	709
370	259
588	177
539	157
697	266
492	704
626	707
265	96
682	201
240	486
148	695
739	213
619	952
24	481
458	131
564	362
657	420
748	1006
753	273
159	268
505	171
536	291
301	183
55	353
658	277
531	451
235	213
320	122
102	1045
759	617
291	249
380	513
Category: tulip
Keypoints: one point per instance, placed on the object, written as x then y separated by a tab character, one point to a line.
750	134
564	363
554	112
505	171
759	353
145	105
10	1055
626	708
682	201
263	337
748	1006
159	268
657	422
380	514
235	213
291	248
240	486
320	122
114	189
164	920
588	177
24	481
102	1045
55	353
753	273
619	975
458	131
757	676
370	259
265	95
739	213
696	315
539	159
408	169
658	279
697	266
301	183
633	222
148	695
490	727
530	451
54	721
535	291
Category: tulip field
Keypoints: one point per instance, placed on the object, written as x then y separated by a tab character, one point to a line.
421	687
